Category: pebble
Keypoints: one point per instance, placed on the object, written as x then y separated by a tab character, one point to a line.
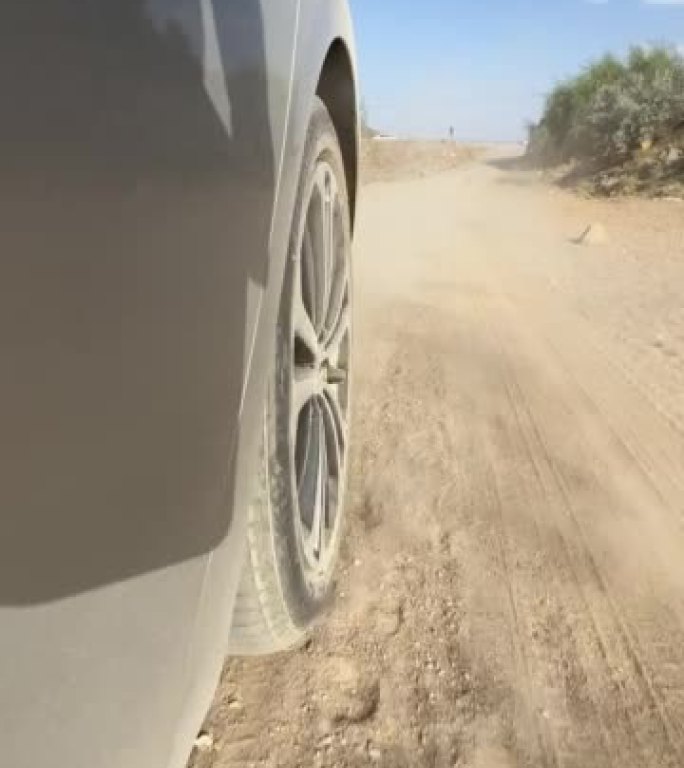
324	726
353	693
594	234
674	155
388	622
204	742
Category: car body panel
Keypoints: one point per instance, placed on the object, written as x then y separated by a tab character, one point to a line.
147	219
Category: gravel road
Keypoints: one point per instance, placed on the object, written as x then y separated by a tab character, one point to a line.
512	592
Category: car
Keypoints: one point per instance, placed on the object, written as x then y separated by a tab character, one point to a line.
178	197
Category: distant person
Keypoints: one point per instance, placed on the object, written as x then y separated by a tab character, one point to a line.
451	133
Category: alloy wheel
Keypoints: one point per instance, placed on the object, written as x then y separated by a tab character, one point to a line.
319	392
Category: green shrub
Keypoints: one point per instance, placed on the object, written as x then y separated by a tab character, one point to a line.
607	111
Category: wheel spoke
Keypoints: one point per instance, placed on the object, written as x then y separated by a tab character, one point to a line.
337	304
329	232
308	275
315	226
305	386
320	499
338	331
335	424
339	285
327	194
304	433
304	329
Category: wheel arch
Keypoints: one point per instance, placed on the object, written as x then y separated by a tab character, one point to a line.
337	89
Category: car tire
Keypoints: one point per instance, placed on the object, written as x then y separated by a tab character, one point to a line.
296	518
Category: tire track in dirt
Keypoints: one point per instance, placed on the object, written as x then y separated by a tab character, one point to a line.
526	447
607	396
562	492
538	455
609	392
645	455
621	741
544	745
631	648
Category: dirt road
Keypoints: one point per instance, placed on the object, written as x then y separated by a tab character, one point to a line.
513	584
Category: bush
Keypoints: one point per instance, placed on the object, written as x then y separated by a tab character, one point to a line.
606	112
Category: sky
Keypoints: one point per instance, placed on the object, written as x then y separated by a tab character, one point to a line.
484	66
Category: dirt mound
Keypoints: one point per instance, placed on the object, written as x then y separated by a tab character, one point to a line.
390	159
655	170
